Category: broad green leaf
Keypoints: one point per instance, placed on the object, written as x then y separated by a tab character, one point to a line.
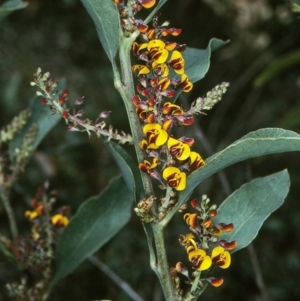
106	18
129	169
98	219
41	116
154	11
255	144
10	6
197	61
249	206
277	66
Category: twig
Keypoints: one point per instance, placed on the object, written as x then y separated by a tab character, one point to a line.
257	272
10	214
115	278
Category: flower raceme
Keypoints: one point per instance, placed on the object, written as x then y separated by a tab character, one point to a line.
158	137
202	245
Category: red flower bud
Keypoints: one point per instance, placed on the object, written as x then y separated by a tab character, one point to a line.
44	101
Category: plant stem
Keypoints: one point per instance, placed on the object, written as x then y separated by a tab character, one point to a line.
125	87
162	269
115	278
10	213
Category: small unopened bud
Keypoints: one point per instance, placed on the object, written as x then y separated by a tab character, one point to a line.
229	245
212	213
65	93
79	101
195	204
180	268
226	227
166	23
216	282
104	114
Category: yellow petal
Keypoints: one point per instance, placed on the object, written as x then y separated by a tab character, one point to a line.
206	263
151	126
156	44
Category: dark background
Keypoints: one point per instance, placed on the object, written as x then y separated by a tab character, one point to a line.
59	37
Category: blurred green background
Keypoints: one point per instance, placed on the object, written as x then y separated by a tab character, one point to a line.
262	65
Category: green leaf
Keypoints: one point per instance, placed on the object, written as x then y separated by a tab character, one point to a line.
197	61
98	219
10	6
277	66
258	143
106	18
249	206
40	115
154	11
129	169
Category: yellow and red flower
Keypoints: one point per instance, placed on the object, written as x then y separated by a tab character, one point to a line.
199	259
175	178
178	149
155	134
176	62
185	85
195	161
59	220
148	167
221	257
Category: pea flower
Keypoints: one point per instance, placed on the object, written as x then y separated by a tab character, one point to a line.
148	167
221	257
175	178
200	260
156	136
178	149
59	220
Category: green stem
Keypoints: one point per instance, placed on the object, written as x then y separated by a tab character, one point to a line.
125	86
10	213
162	269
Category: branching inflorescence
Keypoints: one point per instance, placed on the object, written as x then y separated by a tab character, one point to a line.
203	248
57	101
161	76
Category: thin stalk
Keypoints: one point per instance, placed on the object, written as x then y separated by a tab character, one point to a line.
10	214
115	278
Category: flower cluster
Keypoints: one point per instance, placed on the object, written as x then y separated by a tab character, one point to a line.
203	244
56	99
36	251
161	74
42	215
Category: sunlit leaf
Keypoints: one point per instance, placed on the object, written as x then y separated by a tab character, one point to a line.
42	116
249	206
10	6
97	220
129	169
106	19
197	61
258	143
